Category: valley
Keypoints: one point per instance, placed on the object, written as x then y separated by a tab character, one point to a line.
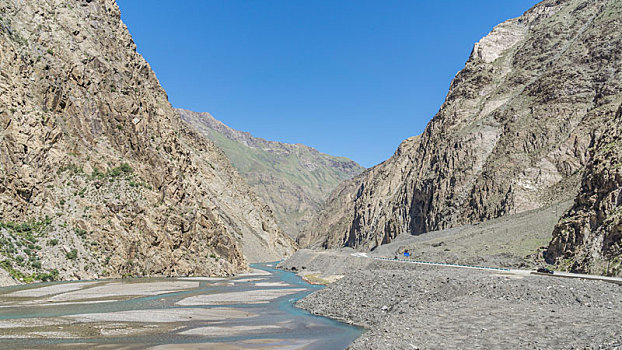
294	180
126	222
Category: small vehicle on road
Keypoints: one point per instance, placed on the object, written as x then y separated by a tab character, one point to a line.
544	270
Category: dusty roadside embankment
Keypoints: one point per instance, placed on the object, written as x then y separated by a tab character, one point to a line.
408	306
513	241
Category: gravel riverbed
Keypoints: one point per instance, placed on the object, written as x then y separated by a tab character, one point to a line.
407	306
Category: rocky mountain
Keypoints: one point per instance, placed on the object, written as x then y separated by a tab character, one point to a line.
589	237
519	130
294	180
98	174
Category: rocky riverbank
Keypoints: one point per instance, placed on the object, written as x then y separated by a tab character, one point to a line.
407	306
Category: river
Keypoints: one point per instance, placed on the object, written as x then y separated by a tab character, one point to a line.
251	311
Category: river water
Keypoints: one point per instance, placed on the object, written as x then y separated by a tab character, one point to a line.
252	311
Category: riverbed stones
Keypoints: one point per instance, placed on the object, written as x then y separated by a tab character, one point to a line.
163	316
441	307
260	296
146	313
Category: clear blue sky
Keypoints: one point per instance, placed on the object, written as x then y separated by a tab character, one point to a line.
351	78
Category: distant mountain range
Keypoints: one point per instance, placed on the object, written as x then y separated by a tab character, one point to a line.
293	179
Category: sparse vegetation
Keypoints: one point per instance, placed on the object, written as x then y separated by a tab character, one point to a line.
121	170
49	276
20	276
80	232
74	169
72	255
97	174
16	274
5	25
22	238
610	146
315	278
133	183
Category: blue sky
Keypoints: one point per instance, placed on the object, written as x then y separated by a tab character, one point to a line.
351	78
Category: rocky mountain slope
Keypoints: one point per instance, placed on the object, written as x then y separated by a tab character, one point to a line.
513	134
294	180
589	238
98	175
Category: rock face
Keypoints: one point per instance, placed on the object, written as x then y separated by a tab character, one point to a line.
294	180
589	238
513	134
98	175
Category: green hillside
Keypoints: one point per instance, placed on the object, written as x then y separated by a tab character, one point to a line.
294	180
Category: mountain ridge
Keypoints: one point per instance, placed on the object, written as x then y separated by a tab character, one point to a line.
294	179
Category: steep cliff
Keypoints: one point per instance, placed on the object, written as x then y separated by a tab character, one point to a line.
98	175
589	237
294	180
512	135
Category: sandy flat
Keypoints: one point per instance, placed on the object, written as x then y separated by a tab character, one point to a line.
202	279
124	329
250	280
50	302
228	331
49	290
163	315
50	334
248	297
126	289
32	322
272	284
280	344
255	272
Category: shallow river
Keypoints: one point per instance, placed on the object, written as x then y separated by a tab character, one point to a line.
252	311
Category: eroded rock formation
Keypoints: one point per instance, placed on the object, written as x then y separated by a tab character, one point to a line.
98	175
589	237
